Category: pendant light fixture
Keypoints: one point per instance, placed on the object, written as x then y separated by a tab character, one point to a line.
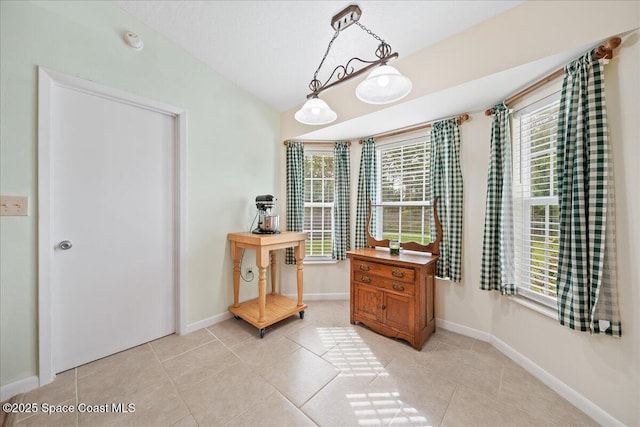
383	85
315	112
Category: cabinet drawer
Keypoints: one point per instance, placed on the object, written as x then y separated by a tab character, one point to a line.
384	283
388	271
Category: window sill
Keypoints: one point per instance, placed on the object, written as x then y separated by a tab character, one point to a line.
535	306
319	261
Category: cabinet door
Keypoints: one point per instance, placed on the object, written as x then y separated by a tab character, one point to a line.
367	302
397	312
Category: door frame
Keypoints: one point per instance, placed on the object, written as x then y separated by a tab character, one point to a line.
47	80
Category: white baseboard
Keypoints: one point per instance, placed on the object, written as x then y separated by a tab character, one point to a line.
336	296
463	330
598	414
22	386
209	321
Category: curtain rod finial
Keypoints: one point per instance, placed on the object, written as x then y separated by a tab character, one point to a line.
612	43
462	118
606	50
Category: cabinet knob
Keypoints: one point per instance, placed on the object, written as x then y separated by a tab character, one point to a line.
398	287
397	273
384	306
364	267
365	279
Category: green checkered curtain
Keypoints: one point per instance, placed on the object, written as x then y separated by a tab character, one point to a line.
295	192
497	271
587	288
446	182
366	190
341	201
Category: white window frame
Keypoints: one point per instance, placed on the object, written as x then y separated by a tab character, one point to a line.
380	205
527	201
325	257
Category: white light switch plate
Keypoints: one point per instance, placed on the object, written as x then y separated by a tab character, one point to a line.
14	206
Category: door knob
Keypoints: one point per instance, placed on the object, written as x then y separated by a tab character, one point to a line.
65	245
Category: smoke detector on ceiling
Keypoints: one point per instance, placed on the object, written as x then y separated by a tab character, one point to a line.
133	40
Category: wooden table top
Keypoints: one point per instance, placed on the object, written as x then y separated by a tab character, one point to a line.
405	257
250	238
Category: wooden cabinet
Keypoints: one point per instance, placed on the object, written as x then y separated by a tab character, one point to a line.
394	294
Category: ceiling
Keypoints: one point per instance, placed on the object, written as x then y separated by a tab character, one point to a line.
272	48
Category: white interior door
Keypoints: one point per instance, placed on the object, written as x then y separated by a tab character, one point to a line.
113	198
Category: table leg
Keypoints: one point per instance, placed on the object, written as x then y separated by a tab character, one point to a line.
273	272
262	260
299	254
236	255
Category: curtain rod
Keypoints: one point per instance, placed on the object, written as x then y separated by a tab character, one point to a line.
460	119
602	51
318	142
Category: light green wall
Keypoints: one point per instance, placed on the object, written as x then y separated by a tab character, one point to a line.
232	145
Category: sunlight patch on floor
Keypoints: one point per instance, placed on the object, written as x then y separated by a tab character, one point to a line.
348	352
373	409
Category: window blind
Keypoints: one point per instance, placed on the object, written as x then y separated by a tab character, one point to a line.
404	207
318	203
536	200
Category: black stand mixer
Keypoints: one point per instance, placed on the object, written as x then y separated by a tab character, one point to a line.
267	223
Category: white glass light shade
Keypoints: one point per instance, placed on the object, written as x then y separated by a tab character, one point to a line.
383	85
315	112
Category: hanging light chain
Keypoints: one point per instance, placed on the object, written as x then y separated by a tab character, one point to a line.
384	49
374	35
315	83
317	112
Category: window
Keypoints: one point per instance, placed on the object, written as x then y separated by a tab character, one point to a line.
536	200
318	204
403	211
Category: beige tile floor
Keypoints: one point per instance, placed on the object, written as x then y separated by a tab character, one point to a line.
317	371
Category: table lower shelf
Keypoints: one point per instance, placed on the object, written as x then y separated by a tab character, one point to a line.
277	308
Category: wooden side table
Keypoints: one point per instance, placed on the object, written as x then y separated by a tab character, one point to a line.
266	309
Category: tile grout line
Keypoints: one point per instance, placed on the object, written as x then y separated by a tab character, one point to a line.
17	420
184	352
226	346
302	347
275	390
173	384
313	395
395	415
161	364
204	379
254	371
321	388
446	411
75	374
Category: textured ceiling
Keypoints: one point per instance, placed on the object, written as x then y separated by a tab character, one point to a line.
272	48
